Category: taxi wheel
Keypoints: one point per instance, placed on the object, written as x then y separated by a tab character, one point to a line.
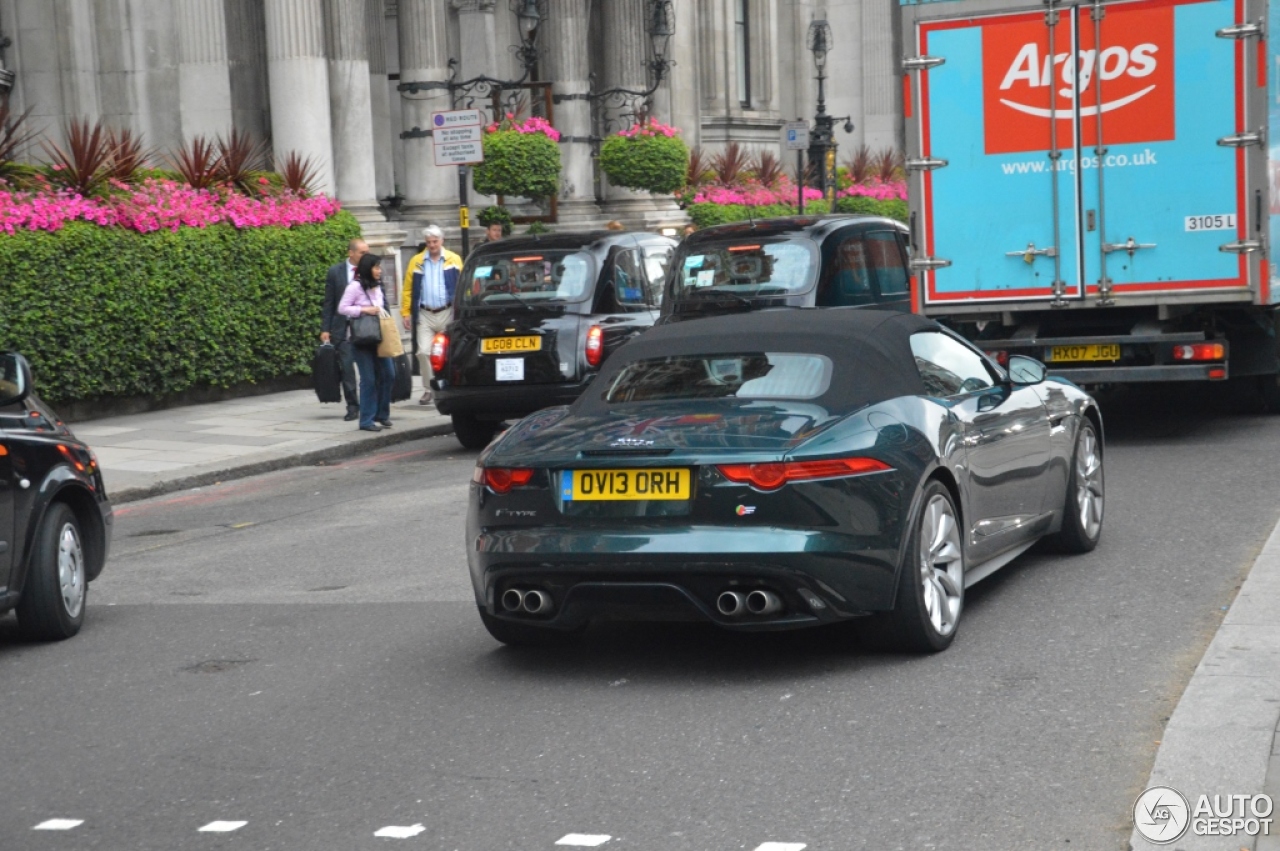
53	600
526	635
473	433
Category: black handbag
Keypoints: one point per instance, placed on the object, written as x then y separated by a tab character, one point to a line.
366	330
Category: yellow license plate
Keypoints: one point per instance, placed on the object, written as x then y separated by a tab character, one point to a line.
598	485
503	345
1096	351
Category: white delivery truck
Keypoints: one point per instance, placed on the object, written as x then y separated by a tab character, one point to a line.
1092	183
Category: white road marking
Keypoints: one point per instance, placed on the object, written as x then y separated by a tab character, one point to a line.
222	826
394	832
782	846
584	840
59	824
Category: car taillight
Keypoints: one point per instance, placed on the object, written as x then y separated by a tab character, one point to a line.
1200	351
999	356
439	352
595	345
767	477
503	479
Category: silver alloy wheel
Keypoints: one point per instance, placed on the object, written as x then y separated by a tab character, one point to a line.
941	565
1089	489
71	570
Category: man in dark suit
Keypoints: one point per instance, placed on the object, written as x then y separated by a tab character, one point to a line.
333	325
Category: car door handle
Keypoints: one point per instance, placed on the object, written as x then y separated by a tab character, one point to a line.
1056	419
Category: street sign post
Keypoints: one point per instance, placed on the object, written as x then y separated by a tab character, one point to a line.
795	137
455	137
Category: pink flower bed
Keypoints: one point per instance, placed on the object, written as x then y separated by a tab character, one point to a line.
157	205
755	195
650	128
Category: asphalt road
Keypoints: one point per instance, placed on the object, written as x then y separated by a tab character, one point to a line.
300	652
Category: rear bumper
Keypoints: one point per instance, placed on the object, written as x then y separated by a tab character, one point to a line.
660	573
499	402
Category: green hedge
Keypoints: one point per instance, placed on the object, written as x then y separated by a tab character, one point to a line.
106	312
893	209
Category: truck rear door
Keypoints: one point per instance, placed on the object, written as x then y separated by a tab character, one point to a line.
1067	152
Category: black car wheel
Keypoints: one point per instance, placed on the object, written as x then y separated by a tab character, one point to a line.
527	635
1082	513
931	586
473	433
53	601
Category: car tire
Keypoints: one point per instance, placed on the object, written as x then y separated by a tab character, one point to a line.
473	433
930	595
54	598
1082	510
528	635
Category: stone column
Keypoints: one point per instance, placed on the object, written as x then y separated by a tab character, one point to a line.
432	191
625	50
299	80
479	37
879	75
564	32
350	103
78	59
379	98
204	72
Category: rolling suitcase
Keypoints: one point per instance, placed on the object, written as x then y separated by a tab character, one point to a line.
402	387
326	373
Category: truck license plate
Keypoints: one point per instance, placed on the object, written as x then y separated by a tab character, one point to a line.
625	484
1094	352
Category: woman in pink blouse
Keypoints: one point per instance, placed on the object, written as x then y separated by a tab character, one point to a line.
364	295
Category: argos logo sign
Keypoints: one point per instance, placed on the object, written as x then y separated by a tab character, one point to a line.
1025	88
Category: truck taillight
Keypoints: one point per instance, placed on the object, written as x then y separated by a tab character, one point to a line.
1200	351
595	345
1001	357
439	352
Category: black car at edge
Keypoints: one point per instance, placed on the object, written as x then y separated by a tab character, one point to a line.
534	318
796	261
55	518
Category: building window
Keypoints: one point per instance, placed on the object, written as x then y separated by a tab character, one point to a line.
742	32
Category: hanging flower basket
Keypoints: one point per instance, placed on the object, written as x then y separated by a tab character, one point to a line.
649	156
520	159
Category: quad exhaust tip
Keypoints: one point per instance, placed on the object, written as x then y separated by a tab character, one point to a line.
530	602
732	604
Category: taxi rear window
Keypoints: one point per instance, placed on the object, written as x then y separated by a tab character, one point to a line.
745	375
540	277
748	268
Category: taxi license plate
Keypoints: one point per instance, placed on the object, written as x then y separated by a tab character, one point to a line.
600	485
503	345
1094	352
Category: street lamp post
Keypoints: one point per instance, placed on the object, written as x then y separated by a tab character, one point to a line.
822	147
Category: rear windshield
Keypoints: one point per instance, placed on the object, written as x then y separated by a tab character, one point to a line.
749	375
748	268
537	277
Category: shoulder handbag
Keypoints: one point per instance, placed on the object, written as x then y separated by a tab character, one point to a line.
366	329
391	346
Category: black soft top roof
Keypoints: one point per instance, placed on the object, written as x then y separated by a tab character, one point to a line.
870	350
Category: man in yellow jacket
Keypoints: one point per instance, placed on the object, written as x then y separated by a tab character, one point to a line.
427	296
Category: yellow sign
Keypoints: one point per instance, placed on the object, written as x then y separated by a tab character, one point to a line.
502	345
599	485
464	217
1098	351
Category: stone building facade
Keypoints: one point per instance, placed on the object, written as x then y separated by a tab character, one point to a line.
326	78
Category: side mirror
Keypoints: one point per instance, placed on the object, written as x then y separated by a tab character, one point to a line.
1024	370
15	379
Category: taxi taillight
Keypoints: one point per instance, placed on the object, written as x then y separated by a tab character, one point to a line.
595	345
439	352
768	477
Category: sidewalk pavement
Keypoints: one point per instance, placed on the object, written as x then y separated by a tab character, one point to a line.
145	455
1222	738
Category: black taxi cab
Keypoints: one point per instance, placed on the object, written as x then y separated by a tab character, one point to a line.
796	261
533	319
55	518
